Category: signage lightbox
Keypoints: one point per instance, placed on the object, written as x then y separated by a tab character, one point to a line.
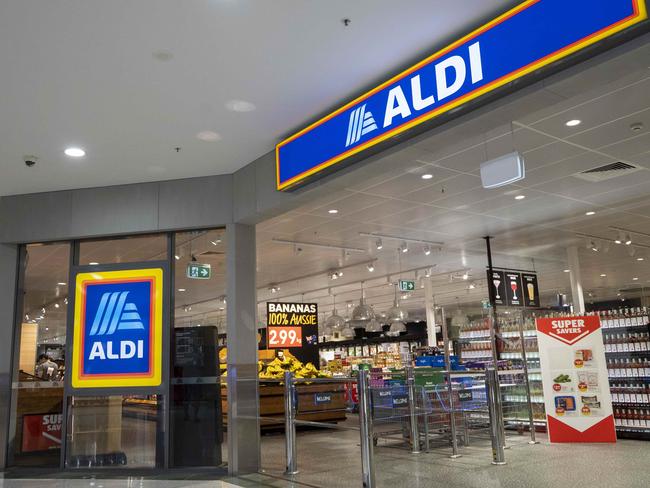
574	377
519	42
118	329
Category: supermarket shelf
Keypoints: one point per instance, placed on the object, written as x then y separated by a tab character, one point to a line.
625	327
629	353
632	404
634	429
629	378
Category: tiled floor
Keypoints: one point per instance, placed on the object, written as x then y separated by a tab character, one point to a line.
330	459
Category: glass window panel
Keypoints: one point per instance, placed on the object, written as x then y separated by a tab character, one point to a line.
124	249
113	431
199	326
37	396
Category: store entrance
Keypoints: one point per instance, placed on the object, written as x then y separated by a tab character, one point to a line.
400	241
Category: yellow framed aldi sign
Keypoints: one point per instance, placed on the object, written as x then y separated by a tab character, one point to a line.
118	329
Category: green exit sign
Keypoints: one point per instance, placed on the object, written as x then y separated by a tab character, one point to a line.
406	285
198	271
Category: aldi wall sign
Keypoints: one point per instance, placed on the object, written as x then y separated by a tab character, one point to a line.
574	377
118	329
528	37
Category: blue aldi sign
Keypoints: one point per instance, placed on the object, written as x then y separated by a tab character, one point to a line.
528	37
117	329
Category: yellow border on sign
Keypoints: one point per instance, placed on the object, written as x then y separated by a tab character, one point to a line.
640	15
124	380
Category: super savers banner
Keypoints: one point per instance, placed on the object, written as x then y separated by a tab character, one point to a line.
522	40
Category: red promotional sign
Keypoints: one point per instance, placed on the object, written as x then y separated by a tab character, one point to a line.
568	329
574	376
41	432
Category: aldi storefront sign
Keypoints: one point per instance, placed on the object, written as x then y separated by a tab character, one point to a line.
118	329
528	37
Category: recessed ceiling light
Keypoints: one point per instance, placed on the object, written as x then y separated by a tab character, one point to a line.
591	212
520	197
573	122
427	176
181	289
56	305
332	211
74	152
240	106
62	283
640	259
208	136
602	275
567	270
635	278
93	263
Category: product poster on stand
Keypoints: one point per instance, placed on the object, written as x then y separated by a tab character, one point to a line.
574	376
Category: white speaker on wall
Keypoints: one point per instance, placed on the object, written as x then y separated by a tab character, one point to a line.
503	170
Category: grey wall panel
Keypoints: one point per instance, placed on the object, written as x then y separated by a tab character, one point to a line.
39	216
195	202
244	193
8	267
114	210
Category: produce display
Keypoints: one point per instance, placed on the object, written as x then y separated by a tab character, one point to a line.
275	369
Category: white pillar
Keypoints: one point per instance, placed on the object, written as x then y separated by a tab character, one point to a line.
429	305
577	294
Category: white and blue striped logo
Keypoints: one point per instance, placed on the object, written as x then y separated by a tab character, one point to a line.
115	313
361	122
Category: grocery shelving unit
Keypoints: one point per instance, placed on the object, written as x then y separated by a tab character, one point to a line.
626	335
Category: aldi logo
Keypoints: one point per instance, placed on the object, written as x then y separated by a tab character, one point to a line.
118	329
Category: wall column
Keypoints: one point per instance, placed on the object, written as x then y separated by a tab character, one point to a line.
8	269
243	397
577	295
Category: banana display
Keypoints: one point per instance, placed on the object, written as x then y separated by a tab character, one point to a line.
275	369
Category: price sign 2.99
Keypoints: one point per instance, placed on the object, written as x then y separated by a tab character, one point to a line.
281	337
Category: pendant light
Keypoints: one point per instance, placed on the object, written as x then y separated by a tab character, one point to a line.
374	326
348	332
362	313
324	331
396	316
335	324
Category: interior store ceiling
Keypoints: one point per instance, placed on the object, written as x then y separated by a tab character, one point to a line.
131	81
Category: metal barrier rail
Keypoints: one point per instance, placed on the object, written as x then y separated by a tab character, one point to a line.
415	405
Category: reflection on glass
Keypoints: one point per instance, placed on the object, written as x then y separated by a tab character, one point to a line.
39	367
124	250
112	431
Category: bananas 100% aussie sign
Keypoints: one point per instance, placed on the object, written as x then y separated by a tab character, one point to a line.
293	326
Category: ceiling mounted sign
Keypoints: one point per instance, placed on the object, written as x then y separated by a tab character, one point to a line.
524	39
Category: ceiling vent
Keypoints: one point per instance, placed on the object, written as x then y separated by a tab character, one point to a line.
607	172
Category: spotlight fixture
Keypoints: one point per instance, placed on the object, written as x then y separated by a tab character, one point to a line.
181	289
65	300
332	211
520	197
619	239
176	257
404	247
603	275
378	244
640	259
62	283
465	276
591	212
635	279
628	239
371	267
593	246
56	305
340	273
427	250
215	242
274	288
471	286
427	273
567	270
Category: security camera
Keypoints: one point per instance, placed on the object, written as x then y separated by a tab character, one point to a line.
30	161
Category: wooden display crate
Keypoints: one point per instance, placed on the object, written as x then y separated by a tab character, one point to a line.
272	403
